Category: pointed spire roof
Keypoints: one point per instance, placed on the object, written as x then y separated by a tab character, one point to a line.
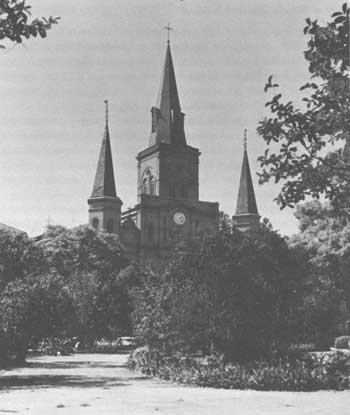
167	118
246	203
104	185
168	97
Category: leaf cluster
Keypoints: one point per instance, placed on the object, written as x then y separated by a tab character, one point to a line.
231	293
15	24
299	140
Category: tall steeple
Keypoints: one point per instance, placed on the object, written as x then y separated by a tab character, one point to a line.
104	184
168	167
104	205
246	216
167	117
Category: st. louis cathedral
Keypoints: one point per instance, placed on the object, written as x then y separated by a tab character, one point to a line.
168	206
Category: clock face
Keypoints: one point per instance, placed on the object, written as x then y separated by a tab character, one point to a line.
179	218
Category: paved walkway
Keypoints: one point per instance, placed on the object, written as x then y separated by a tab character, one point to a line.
101	385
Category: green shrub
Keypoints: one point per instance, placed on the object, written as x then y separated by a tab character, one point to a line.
342	342
328	372
229	293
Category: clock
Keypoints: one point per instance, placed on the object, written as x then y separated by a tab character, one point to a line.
179	218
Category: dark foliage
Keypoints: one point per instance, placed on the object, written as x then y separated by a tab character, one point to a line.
323	245
233	293
65	284
299	139
90	263
308	374
15	25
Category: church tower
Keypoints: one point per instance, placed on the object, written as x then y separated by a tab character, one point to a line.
168	167
168	207
247	216
104	204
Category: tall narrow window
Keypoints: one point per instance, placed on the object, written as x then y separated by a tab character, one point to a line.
95	223
145	185
110	226
154	119
152	185
149	184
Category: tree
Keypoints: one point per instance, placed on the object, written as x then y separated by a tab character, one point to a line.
33	299
299	140
64	283
14	24
19	257
324	241
90	263
30	310
232	293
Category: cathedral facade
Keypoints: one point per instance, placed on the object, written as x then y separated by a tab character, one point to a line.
168	206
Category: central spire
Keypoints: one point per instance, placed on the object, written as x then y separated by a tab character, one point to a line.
167	118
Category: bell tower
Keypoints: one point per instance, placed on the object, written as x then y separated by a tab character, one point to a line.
168	206
168	168
104	204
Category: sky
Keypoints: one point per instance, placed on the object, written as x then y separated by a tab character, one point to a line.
53	91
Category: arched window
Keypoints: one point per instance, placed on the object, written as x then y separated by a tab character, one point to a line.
110	226
148	186
95	222
145	186
152	185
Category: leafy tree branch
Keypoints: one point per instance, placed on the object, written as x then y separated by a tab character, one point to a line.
15	24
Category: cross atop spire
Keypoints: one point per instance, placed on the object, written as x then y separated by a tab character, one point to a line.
106	102
168	28
245	140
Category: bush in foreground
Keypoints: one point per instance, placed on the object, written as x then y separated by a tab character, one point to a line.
312	373
230	293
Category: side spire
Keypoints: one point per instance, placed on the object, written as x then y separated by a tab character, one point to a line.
104	185
246	216
167	117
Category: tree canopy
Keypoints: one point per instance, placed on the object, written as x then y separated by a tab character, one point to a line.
65	283
308	148
231	293
325	242
15	23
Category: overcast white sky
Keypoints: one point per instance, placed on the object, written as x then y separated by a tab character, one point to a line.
52	93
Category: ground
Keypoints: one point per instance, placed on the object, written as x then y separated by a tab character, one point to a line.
100	384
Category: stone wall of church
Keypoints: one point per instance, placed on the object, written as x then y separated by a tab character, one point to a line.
179	174
163	222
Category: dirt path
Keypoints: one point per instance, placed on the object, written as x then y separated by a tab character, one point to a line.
100	384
